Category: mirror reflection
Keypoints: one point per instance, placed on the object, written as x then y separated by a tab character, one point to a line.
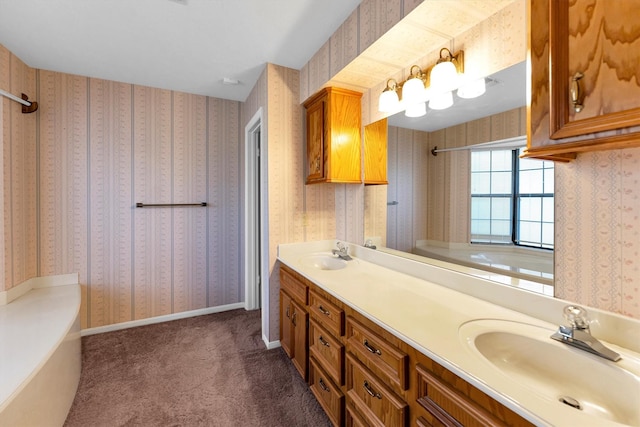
458	191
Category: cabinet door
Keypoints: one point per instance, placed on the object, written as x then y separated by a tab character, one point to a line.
315	141
285	324
300	320
595	49
375	153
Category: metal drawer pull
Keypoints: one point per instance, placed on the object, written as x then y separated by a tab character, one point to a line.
293	318
371	349
576	93
323	385
323	342
323	311
287	312
367	387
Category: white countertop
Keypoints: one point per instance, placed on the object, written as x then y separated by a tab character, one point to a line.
427	314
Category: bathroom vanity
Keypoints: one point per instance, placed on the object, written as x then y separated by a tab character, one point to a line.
393	342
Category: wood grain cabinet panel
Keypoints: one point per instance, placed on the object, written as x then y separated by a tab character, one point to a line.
333	118
298	290
326	313
375	153
329	395
355	419
327	350
294	320
588	52
452	402
376	401
300	321
286	335
381	356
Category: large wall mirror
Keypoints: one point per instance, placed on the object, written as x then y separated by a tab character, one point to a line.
426	211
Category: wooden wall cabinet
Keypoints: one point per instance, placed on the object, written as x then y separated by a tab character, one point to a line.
333	136
375	153
585	77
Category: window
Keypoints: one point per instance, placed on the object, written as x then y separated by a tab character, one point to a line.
511	199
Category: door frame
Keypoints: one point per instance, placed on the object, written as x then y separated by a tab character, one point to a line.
256	292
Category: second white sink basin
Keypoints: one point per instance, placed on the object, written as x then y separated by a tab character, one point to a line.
324	261
566	376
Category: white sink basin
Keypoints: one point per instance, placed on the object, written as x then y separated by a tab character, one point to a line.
565	376
324	261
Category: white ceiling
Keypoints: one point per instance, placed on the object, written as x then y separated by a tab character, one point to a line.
183	45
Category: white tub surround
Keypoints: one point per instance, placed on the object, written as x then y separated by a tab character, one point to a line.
425	305
527	263
40	352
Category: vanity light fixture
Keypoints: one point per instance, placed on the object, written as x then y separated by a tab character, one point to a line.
472	89
434	86
416	110
445	74
413	90
441	101
389	101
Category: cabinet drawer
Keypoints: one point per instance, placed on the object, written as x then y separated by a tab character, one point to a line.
328	394
372	398
327	350
294	287
326	313
377	354
449	407
356	419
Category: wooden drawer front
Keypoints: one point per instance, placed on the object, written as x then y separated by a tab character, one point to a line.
356	419
294	287
378	354
372	398
328	394
327	350
448	406
326	313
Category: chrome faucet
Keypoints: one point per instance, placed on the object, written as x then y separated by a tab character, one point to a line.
369	244
342	251
578	334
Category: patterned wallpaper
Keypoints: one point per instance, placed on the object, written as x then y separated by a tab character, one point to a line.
597	252
104	146
18	216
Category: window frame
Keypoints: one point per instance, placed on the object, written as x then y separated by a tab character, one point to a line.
515	198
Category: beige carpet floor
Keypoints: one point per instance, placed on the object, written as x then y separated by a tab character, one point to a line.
209	370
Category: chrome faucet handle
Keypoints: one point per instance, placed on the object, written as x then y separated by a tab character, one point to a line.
577	317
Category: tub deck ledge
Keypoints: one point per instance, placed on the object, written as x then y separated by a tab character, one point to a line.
40	353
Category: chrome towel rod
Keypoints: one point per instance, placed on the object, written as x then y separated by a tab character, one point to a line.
157	205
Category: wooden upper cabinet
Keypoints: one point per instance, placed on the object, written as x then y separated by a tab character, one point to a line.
375	153
333	136
585	77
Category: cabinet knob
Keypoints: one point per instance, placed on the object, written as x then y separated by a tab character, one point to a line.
576	93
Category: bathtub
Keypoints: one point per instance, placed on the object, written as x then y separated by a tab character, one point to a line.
40	353
527	263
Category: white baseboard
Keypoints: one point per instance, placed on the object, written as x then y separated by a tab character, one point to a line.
270	344
159	319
